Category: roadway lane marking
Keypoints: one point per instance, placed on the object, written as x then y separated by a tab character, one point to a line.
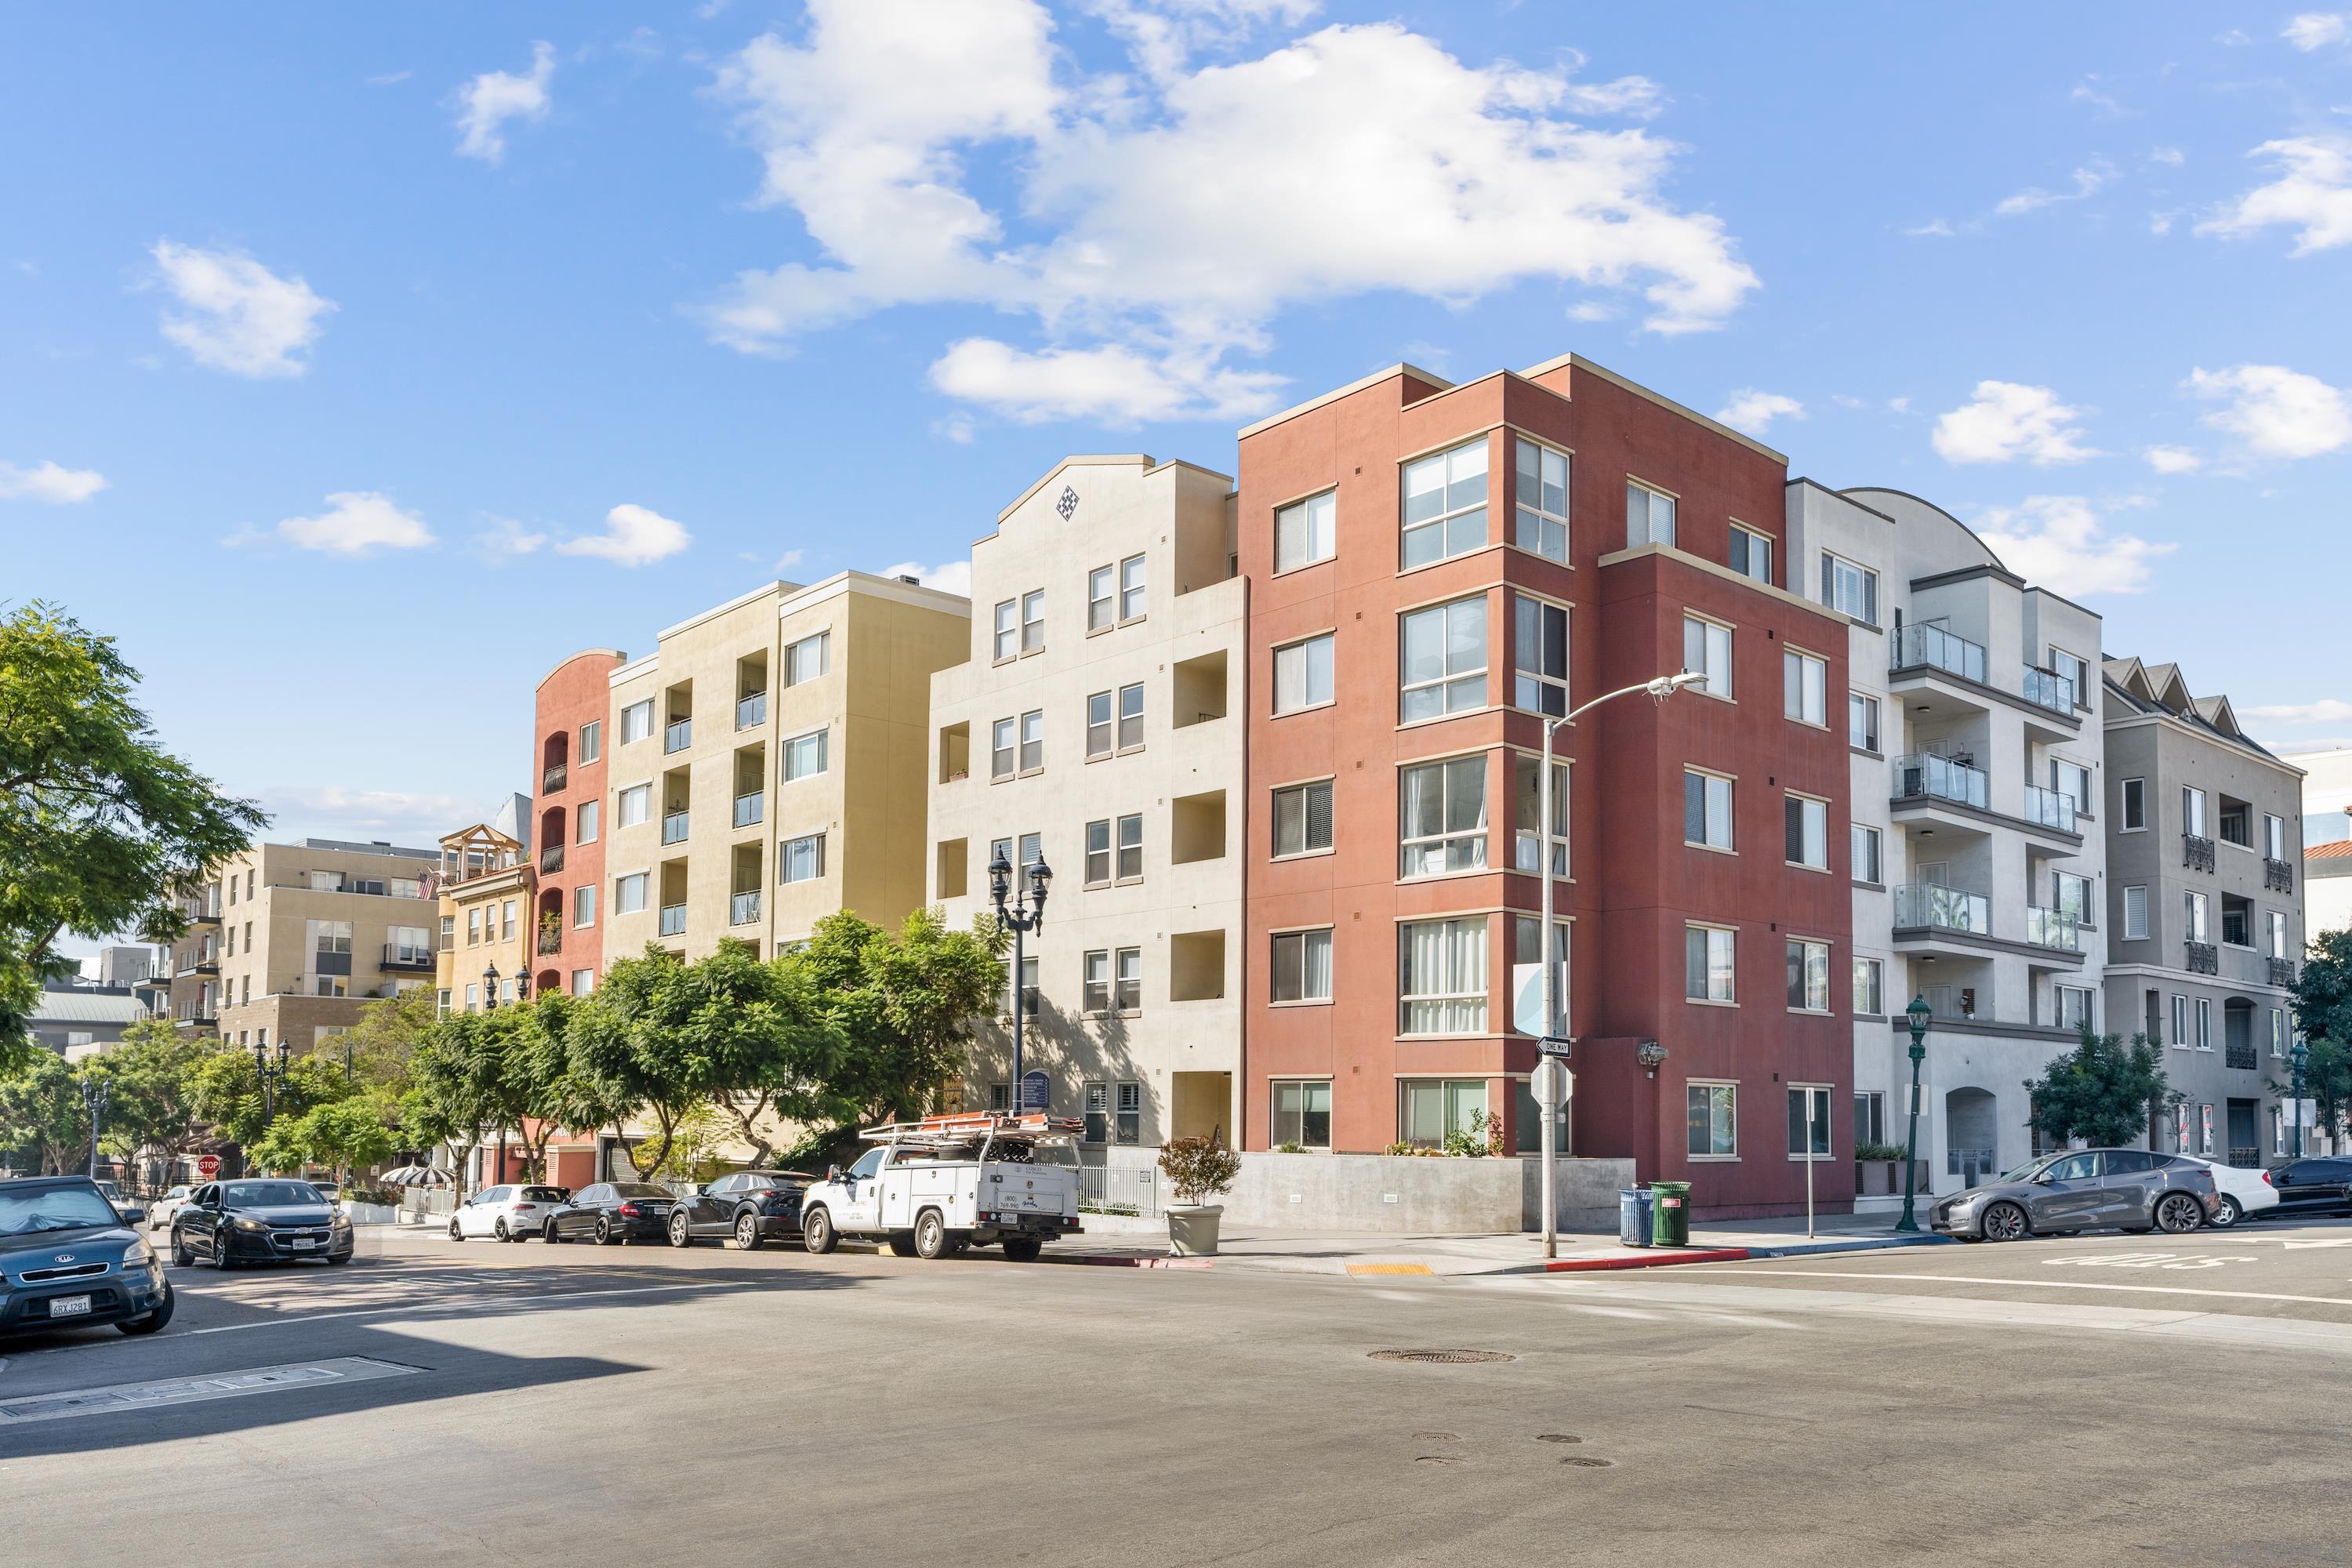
114	1399
489	1309
2051	1284
2339	1241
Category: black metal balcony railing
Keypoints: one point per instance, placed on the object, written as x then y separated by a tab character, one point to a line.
553	780
673	920
550	859
751	711
2246	1159
678	736
2238	1054
2204	957
406	955
2278	876
2282	971
674	827
2196	852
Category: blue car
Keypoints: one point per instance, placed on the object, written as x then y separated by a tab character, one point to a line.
68	1260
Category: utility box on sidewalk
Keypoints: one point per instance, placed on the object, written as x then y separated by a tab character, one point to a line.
1632	1217
1670	1226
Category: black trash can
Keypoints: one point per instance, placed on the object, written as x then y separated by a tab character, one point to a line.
1632	1217
1670	1221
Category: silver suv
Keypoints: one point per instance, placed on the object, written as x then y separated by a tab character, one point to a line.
2084	1189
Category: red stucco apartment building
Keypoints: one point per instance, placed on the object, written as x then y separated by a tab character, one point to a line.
1434	565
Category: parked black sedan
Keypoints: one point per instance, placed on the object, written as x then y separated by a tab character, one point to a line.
611	1212
68	1260
268	1219
755	1207
2319	1184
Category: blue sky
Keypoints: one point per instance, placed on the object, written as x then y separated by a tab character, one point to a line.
354	368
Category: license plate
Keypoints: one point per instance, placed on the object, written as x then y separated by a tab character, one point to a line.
69	1306
304	1243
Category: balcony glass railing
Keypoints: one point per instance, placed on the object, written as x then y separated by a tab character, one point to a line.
743	909
678	736
2050	808
749	807
1930	906
2053	927
1933	648
1926	777
674	827
751	710
2045	688
673	920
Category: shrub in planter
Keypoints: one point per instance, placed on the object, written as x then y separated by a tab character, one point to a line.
1198	1168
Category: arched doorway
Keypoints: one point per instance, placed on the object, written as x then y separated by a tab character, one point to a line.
1971	1135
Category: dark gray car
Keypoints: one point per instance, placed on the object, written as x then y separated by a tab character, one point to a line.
2083	1189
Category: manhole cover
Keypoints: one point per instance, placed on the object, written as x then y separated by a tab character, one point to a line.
1587	1462
1442	1358
1437	1459
1556	1437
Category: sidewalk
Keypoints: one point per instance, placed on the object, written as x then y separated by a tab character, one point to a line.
1117	1241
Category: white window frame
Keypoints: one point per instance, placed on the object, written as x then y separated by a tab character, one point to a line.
592	740
1869	984
643	795
1703	635
1804	688
2134	920
637	721
1815	1094
1134	589
1540	517
1130	718
1645	506
641	883
1466	998
1718	977
1310	527
1534	688
1299	658
1729	1090
1274	1111
1864	586
2195	917
1866	848
1862	714
1730	843
2131	810
1304	792
2192	812
589	822
1757	540
1816	958
1102	599
1033	742
1808	808
1462	690
1300	946
1106	727
791	850
821	735
1445	840
793	674
1005	631
1441	524
2058	1006
583	906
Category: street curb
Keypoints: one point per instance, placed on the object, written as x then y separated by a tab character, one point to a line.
1132	1262
1722	1255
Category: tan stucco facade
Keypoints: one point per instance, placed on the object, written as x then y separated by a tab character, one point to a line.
487	887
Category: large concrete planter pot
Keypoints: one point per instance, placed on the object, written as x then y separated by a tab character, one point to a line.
1879	1178
1192	1229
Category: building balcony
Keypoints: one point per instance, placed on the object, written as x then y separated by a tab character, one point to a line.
2050	808
1932	647
550	942
553	780
2046	689
2203	958
750	808
205	916
678	736
1929	906
2239	1054
2278	876
2282	971
2196	852
1923	777
550	859
674	827
2052	928
196	1017
751	711
399	956
742	909
206	966
673	920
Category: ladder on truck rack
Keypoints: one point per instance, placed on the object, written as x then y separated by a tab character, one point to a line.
968	1127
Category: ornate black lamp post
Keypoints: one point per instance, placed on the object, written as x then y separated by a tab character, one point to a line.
95	1093
1918	1012
1027	915
272	1075
489	987
2300	1058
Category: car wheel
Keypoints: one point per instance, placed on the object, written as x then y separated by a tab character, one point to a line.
456	1231
2178	1214
902	1243
499	1229
550	1235
746	1232
930	1235
604	1233
1022	1249
2003	1222
817	1233
2227	1215
155	1319
680	1235
220	1252
180	1257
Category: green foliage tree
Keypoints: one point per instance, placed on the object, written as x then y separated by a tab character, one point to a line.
228	1092
905	1002
153	1074
41	1112
279	1151
2101	1092
99	827
384	1037
644	1045
693	1150
462	1080
342	1135
2323	1011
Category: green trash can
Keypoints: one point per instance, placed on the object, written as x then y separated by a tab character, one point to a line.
1670	1213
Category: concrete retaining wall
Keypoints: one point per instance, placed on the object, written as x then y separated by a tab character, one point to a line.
1584	1193
1411	1196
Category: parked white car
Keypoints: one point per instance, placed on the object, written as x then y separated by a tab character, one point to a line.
509	1213
2243	1192
159	1212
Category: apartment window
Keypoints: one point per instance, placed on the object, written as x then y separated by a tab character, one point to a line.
629	894
2204	1023
448	931
2075	669
1524	957
2236	828
1302	674
1100	852
2073	1007
637	720
1850	589
808	658
440	1008
1539	655
1302	1112
506	921
2135	914
1128	964
1443	812
1707	964
1130	849
1863	844
2180	1022
1028	989
1807	823
1542	501
328	985
1003	750
1302	966
1032	740
2193	910
802	859
473	927
1751	553
1433	1110
1305	532
1131	600
332	936
2274	932
591	820
1809	1121
592	740
326	882
1861	721
1113	980
232	942
1102	600
1302	818
1870	1117
804	755
1869	996
1649	516
2071	779
2070	894
1444	968
1713	1132
1031	848
2134	805
411	944
2192	811
1809	976
473	998
1804	688
636	803
1443	659
584	981
2278	1032
1707	809
2274	837
1706	650
1526	815
1130	716
1032	620
1008	629
1098	725
1446	504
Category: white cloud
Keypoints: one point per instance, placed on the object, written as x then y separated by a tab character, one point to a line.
2327	711
1935	228
786	562
2008	421
2313	194
2089	181
1163	35
2102	102
46	481
242	317
1591	310
1754	411
2172	157
1165	222
947	577
485	103
2279	413
2317	29
1112	384
355	522
1900	404
2172	459
410	820
505	539
2059	544
633	536
2160	223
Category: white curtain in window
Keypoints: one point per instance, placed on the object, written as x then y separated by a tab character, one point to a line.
1445	977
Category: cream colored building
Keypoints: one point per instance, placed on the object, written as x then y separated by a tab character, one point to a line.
289	941
486	890
766	765
1099	721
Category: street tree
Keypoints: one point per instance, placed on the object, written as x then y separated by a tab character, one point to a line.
640	1041
153	1074
342	1135
555	1091
383	1039
41	1112
2323	1011
100	828
905	1002
228	1092
460	1088
2101	1092
772	1041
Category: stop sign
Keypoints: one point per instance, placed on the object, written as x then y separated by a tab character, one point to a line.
208	1166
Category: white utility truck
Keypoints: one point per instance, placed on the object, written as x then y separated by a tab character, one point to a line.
936	1186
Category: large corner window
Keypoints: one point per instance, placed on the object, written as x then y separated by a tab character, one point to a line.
1443	970
1542	517
1538	657
1446	504
1443	812
1443	666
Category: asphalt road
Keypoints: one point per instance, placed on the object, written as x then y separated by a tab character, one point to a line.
482	1403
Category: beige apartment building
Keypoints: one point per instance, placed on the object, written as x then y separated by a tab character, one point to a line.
766	765
289	941
487	892
1097	723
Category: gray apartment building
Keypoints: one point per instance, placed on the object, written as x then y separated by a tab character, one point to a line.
2204	841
